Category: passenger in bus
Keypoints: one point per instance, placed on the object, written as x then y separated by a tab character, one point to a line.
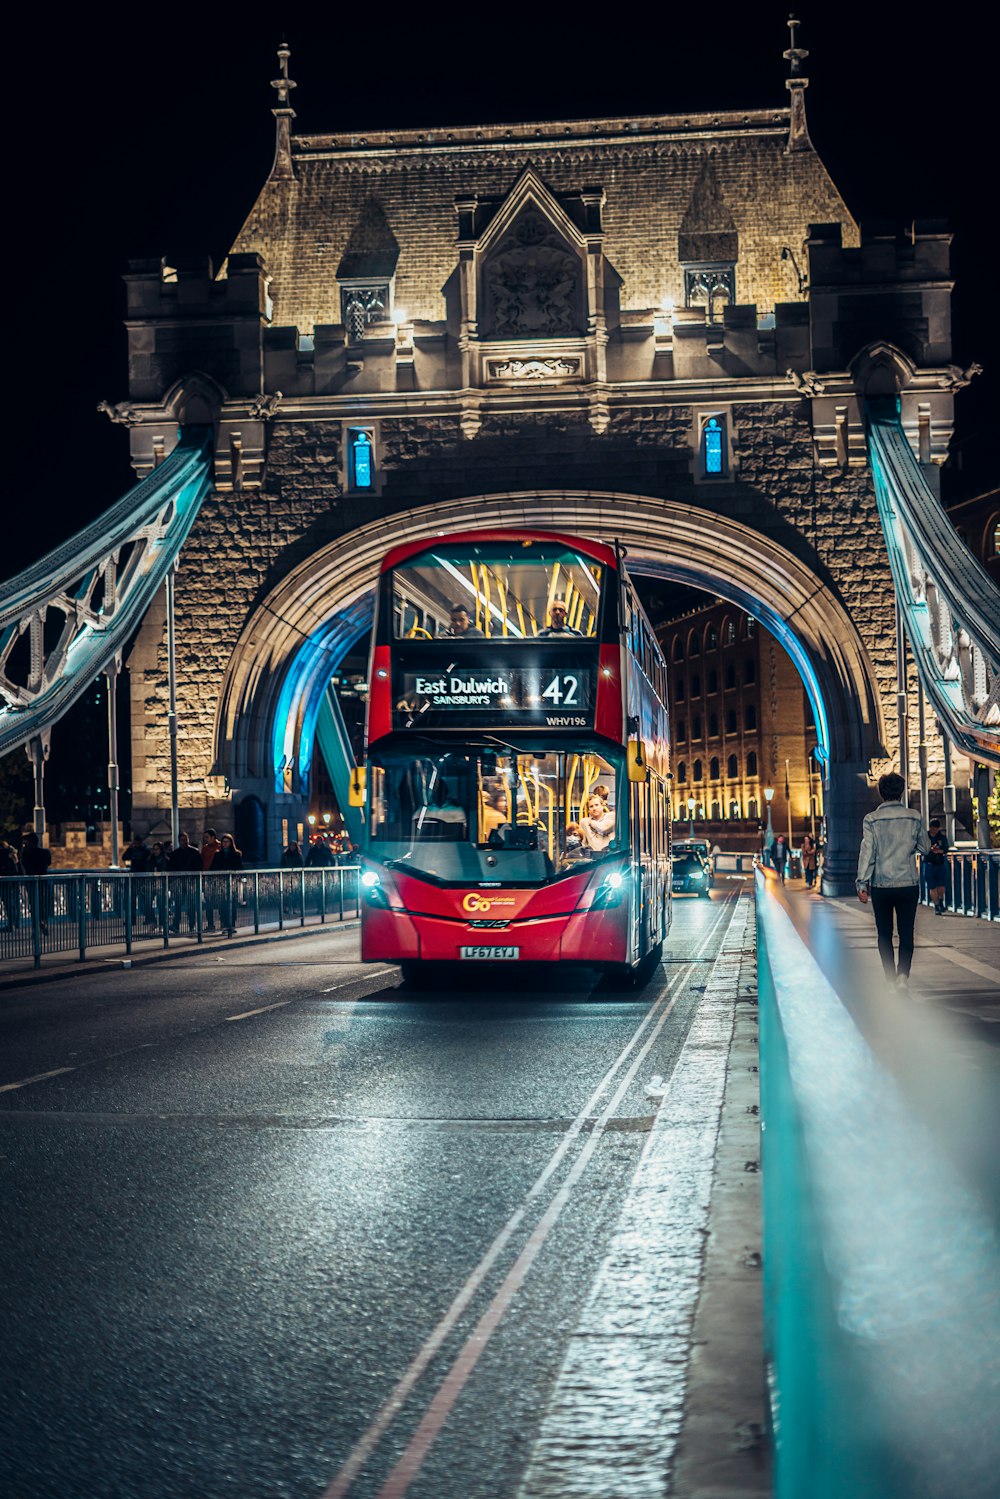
461	627
598	825
443	818
558	620
574	847
494	811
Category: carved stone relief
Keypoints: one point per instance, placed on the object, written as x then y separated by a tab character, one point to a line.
532	283
533	369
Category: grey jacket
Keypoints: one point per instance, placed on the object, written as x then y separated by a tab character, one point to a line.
893	836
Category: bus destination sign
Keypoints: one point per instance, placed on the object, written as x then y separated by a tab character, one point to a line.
555	697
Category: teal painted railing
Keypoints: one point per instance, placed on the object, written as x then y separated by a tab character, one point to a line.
881	1264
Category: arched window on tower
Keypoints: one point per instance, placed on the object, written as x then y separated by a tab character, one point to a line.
750	670
752	763
732	767
678	651
711	639
713	769
682	773
753	811
734	808
750	716
729	633
697	770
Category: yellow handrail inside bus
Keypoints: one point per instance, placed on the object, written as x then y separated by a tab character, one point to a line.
487	611
532	813
574	766
552	591
541	786
502	596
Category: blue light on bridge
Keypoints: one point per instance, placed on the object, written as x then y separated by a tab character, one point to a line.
711	437
361	451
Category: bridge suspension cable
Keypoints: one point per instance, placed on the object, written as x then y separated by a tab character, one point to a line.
949	604
68	618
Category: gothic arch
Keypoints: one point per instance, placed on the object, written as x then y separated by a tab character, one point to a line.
293	642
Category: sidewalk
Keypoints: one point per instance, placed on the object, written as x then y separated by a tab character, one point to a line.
19	973
941	1040
956	959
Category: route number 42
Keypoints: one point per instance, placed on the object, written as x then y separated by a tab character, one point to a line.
563	691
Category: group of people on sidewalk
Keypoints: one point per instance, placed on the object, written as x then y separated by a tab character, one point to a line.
216	856
778	854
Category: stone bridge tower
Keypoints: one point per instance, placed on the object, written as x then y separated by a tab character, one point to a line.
654	328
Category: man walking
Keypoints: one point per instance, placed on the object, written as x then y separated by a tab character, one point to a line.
887	873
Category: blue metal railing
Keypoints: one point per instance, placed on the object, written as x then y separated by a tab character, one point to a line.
971	883
881	1265
78	913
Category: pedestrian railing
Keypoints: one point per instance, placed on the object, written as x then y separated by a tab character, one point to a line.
971	882
67	912
882	1319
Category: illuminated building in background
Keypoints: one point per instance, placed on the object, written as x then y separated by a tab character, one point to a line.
740	721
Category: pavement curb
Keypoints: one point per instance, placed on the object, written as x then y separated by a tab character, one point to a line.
724	1446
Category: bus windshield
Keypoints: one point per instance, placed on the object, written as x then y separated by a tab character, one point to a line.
497	813
497	589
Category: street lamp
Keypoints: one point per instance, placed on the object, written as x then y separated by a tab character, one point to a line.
769	834
691	806
326	818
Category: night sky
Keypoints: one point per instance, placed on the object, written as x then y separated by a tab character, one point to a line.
155	141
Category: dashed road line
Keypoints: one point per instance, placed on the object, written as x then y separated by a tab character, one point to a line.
39	1077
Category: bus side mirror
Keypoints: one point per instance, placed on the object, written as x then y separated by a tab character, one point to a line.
638	770
356	790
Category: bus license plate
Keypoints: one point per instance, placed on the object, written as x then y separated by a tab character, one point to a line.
490	954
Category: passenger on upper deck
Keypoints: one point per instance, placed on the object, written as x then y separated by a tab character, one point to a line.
461	627
558	616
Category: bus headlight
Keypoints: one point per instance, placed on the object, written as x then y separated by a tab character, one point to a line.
374	894
609	892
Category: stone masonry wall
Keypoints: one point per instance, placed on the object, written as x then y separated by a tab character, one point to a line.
243	544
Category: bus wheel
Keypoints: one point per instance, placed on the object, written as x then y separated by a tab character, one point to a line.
624	977
417	975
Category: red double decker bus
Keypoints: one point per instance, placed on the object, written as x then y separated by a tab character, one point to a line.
517	759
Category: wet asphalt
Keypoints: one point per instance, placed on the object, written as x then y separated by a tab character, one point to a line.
225	1236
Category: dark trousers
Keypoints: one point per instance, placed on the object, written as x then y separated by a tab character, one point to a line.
901	901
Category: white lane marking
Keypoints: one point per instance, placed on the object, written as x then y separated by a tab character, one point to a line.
39	1077
369	1440
373	972
280	1005
614	1415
